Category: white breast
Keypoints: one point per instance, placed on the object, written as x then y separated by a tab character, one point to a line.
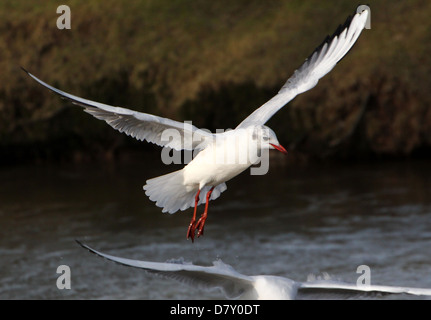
230	154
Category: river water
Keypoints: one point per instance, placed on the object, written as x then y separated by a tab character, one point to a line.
296	221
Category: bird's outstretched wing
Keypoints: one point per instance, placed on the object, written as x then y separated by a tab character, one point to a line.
236	285
139	125
340	289
220	275
320	62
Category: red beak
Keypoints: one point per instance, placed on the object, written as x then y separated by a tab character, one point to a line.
279	148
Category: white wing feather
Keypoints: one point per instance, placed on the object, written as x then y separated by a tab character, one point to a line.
220	275
329	285
139	125
323	59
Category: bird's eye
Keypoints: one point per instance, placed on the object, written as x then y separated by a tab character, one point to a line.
265	138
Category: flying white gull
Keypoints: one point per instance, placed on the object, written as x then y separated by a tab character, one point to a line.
203	179
235	285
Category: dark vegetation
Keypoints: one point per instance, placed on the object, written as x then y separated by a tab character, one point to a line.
213	62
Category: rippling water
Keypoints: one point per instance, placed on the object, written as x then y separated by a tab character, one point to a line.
293	222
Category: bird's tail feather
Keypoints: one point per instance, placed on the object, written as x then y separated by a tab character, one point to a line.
170	193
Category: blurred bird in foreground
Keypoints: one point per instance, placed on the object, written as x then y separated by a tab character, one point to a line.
235	285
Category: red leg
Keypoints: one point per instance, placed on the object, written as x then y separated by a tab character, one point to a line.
201	222
192	226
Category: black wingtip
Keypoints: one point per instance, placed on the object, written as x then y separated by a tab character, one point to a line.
337	33
25	70
84	246
91	250
99	254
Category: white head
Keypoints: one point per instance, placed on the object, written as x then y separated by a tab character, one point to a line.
267	138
